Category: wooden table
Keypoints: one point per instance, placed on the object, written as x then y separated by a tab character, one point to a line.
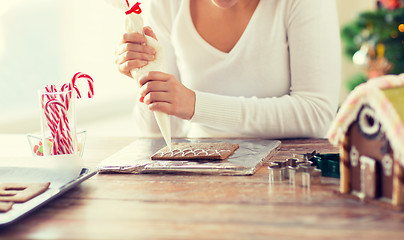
127	206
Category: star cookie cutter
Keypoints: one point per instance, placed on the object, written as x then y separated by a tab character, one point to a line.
297	170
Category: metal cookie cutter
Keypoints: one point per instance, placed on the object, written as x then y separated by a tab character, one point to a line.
276	172
280	170
305	157
305	176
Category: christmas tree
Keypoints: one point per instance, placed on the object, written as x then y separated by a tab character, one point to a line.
375	41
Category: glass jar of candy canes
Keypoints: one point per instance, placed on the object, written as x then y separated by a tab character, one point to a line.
58	121
59	146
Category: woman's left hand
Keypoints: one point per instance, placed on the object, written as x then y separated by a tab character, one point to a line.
165	93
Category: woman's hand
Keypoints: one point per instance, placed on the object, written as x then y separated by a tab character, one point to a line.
133	52
163	92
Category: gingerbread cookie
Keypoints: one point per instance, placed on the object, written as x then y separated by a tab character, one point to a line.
196	151
5	206
21	192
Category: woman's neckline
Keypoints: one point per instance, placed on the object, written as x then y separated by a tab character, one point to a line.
206	43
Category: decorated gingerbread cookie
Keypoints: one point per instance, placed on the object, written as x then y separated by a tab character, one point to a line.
196	151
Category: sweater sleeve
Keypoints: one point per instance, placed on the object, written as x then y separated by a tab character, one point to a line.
308	109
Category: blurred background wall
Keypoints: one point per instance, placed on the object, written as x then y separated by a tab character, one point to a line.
46	42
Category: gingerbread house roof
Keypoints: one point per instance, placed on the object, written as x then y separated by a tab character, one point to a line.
386	96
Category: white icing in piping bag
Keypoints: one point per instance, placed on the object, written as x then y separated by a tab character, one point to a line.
134	23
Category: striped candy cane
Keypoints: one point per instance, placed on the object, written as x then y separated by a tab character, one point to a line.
90	84
49	108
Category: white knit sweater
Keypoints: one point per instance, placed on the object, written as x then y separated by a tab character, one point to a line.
280	80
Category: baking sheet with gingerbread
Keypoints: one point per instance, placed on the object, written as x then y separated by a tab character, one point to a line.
136	158
25	186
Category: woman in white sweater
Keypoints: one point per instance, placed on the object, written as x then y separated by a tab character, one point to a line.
238	68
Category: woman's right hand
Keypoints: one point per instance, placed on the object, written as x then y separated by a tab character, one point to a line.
133	52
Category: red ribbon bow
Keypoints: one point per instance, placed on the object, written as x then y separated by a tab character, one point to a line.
134	9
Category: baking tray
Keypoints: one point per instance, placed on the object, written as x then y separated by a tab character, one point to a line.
60	183
135	158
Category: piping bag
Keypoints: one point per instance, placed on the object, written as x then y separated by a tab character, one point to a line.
134	23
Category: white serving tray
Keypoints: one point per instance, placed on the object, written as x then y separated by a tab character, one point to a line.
27	170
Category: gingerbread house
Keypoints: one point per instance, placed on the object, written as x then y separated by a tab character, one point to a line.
369	128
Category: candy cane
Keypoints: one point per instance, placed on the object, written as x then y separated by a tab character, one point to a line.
51	89
49	117
66	133
49	109
58	133
57	147
64	146
90	84
66	139
66	88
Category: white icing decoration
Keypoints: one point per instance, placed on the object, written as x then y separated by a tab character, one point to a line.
354	156
367	179
387	163
369	128
195	152
369	161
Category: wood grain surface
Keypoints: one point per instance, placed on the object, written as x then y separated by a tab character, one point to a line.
127	206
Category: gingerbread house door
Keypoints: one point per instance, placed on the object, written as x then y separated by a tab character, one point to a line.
368	177
386	178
